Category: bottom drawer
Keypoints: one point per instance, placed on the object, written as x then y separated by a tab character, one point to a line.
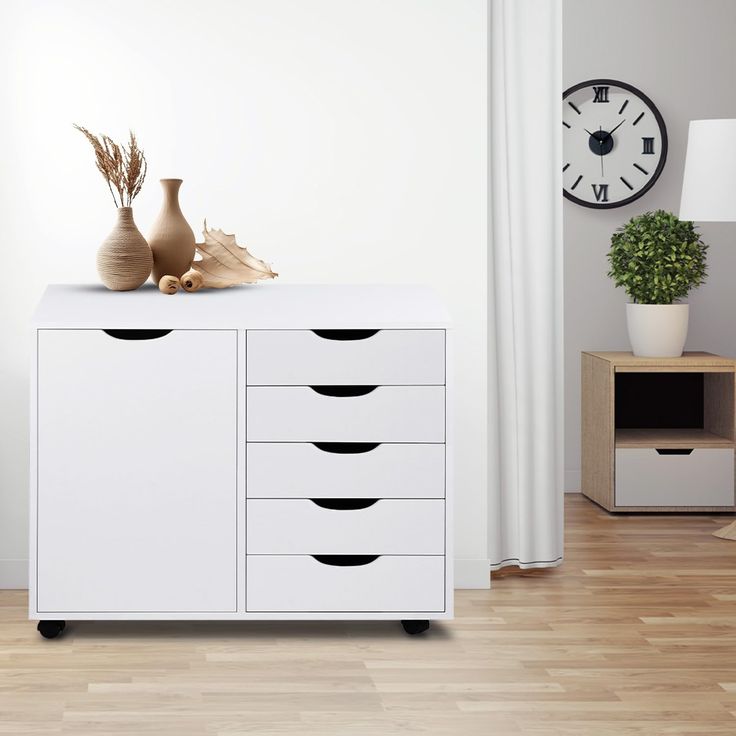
340	583
648	477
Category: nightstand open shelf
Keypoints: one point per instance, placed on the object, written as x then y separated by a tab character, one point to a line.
659	433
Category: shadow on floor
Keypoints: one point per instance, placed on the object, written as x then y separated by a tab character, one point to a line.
218	630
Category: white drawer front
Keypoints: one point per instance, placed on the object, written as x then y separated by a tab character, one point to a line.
307	358
302	583
644	477
346	527
336	470
386	414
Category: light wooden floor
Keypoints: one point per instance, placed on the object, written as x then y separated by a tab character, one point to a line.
634	634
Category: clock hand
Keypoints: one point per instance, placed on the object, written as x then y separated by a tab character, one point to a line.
616	128
600	145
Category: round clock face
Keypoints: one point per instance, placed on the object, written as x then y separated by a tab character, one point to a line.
614	143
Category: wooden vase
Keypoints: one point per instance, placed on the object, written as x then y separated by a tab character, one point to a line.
124	259
171	239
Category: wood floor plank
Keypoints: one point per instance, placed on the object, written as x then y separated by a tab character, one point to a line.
634	635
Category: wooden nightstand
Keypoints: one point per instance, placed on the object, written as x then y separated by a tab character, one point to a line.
658	433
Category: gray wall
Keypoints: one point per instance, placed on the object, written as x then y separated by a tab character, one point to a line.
682	54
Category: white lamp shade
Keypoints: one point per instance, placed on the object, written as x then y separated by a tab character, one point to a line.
709	183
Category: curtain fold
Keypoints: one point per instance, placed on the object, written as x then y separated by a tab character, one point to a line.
525	285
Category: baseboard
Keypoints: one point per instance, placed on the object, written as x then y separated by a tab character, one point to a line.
13	574
472	574
469	573
573	481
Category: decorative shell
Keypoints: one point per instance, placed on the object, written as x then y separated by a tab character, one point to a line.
224	263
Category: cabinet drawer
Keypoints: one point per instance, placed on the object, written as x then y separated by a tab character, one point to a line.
646	477
338	469
346	526
380	414
307	584
374	357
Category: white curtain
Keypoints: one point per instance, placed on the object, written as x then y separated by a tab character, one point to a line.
525	285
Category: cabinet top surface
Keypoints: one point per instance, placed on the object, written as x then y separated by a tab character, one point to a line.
262	306
695	358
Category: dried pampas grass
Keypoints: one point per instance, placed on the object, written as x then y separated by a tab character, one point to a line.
124	169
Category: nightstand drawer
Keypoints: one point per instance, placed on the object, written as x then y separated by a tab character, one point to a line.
346	414
339	357
346	526
337	469
345	583
672	477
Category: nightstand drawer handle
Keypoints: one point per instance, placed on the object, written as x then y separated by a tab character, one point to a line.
344	504
343	390
136	334
673	451
346	448
346	560
345	334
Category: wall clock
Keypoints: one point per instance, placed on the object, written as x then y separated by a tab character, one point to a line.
614	143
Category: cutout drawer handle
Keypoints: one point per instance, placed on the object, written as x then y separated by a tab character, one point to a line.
345	334
346	448
673	451
344	504
343	390
136	334
346	560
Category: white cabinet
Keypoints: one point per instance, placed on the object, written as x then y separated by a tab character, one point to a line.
263	453
136	503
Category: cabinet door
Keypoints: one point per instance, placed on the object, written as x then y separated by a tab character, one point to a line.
137	443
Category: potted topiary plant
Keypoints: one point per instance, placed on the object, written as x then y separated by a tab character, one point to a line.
657	259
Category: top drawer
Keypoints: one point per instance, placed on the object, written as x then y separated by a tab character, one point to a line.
345	357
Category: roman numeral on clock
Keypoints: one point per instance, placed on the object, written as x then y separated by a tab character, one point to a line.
647	145
600	191
600	94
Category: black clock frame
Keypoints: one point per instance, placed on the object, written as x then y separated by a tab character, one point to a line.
660	122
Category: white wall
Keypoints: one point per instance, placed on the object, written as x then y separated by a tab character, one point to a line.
342	140
682	54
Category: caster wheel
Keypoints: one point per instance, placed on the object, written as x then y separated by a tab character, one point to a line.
50	629
415	627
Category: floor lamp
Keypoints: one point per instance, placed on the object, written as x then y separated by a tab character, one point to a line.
709	189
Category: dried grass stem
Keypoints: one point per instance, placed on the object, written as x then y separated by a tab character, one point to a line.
124	169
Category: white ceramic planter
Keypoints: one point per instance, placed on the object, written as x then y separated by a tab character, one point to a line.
657	330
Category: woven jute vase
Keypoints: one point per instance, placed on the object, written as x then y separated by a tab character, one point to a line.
124	260
171	239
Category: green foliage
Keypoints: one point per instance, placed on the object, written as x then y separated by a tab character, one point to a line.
657	258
